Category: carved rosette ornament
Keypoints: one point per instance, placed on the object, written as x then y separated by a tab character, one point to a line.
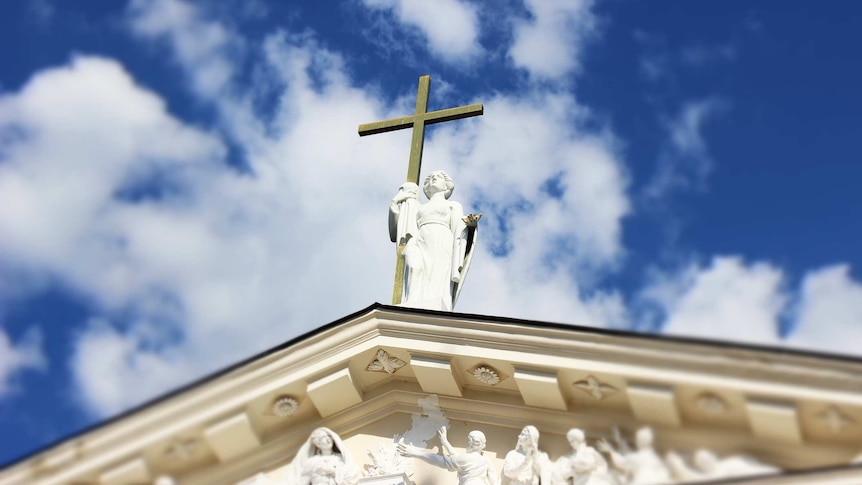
285	406
487	375
595	388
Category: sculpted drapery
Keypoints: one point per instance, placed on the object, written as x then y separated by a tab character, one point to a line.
436	240
324	460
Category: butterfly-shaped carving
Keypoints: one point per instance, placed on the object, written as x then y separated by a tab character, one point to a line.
595	388
385	363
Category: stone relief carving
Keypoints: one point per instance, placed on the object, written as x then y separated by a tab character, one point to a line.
638	465
323	460
834	419
436	239
387	461
583	466
472	466
487	375
526	464
385	363
285	406
181	449
708	467
165	480
595	388
711	403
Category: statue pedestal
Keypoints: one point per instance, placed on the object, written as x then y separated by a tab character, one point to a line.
393	479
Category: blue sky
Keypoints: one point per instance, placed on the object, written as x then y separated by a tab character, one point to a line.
182	184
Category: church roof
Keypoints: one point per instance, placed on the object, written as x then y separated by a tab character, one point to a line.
798	409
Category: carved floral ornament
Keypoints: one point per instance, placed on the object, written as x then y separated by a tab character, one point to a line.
486	375
594	387
385	363
284	406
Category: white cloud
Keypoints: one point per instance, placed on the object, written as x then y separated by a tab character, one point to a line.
686	162
550	44
728	300
27	354
193	40
828	316
450	26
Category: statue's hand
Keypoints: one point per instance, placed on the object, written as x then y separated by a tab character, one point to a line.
604	446
406	450
472	220
408	190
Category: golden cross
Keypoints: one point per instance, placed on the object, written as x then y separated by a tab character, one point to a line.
417	121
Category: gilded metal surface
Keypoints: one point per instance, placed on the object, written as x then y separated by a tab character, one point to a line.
417	121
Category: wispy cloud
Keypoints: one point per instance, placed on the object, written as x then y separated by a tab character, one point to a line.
26	354
685	162
450	27
550	44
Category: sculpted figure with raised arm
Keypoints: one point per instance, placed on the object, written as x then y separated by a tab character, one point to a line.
583	466
472	466
641	465
436	240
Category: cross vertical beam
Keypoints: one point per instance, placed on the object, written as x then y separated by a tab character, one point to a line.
418	120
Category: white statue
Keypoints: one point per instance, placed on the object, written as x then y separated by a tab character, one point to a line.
436	240
526	465
473	467
710	467
641	465
323	460
583	466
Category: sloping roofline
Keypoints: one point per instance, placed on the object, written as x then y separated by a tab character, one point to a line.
721	344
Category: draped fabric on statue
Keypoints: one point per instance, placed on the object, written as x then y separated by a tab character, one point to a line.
436	243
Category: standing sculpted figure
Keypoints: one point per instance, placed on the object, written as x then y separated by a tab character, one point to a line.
436	241
640	466
583	466
323	460
526	465
473	467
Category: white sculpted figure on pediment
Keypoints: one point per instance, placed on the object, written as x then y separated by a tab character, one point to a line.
526	464
323	460
436	241
387	461
472	466
641	465
583	466
708	466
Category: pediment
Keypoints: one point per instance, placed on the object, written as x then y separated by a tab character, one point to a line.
364	377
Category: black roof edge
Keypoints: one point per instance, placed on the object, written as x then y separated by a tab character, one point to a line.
438	313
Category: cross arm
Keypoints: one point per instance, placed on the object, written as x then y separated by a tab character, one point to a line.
454	113
386	125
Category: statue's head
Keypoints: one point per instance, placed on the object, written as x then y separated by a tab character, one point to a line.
475	441
644	438
437	181
322	439
529	438
576	437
